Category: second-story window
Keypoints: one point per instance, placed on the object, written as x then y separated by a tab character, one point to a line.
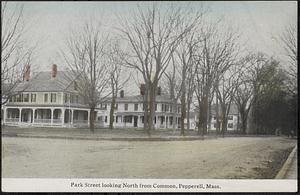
53	97
26	98
33	97
162	107
136	107
125	106
67	98
46	97
116	106
155	107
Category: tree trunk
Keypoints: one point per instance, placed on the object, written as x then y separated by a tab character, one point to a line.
151	103
183	111
188	115
111	113
92	119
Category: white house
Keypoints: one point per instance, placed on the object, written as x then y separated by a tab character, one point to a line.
129	112
46	99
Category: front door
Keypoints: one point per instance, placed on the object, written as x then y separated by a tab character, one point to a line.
135	118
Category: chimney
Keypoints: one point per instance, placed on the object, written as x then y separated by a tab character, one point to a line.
158	90
26	76
142	89
122	93
54	71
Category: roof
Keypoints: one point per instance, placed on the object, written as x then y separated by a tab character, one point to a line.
42	81
232	111
138	99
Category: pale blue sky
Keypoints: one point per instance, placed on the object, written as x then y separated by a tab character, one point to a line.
257	21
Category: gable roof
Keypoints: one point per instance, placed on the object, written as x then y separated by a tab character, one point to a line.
138	99
42	82
232	111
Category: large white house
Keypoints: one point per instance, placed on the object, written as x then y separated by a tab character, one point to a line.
46	99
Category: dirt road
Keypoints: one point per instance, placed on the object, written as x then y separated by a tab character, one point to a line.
236	157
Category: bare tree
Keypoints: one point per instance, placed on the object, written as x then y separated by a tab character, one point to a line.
118	79
185	65
225	93
173	85
289	42
85	57
152	36
216	54
14	51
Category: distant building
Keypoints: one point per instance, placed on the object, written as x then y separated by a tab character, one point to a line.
233	118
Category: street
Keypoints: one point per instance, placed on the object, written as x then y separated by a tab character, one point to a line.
222	158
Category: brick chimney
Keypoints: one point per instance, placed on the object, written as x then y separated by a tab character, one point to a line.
122	93
158	90
54	71
142	89
26	76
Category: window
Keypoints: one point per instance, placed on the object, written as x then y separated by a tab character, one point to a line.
136	107
125	106
155	107
33	97
162	107
230	117
66	98
143	107
53	97
116	106
167	108
46	97
117	119
18	98
215	125
230	125
105	119
26	98
142	119
171	108
154	120
72	98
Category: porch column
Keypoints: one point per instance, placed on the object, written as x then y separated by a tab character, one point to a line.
52	111
20	115
72	111
62	116
88	117
4	115
33	115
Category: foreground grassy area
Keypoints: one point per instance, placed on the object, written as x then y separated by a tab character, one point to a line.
236	157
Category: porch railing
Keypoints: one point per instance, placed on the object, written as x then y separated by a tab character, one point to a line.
42	120
12	120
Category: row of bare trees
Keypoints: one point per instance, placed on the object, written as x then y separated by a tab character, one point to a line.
192	57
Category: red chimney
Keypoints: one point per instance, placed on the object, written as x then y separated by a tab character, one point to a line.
122	93
54	71
26	76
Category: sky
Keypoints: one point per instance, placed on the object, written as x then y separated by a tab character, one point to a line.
49	22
